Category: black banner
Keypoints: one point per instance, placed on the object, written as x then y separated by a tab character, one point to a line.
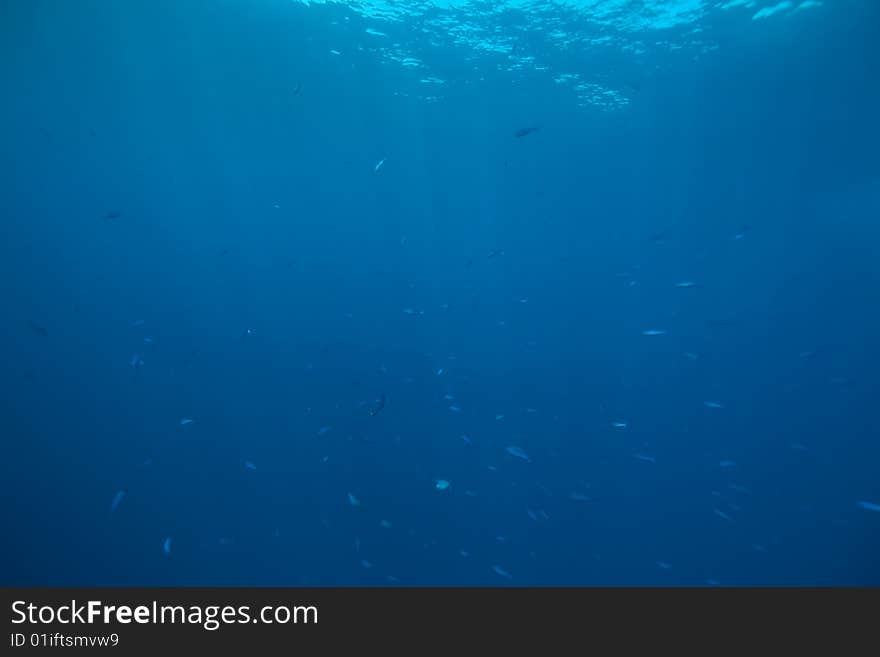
134	620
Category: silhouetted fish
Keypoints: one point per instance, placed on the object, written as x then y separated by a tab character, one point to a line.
113	214
522	132
36	328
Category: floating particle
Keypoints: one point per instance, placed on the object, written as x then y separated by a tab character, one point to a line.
117	500
518	452
441	484
500	571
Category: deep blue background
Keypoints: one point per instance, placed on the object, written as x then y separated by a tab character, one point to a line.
182	117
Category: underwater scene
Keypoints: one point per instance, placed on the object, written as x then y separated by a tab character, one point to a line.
440	293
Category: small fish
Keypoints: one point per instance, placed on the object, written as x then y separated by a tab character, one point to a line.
185	421
249	466
465	438
664	565
413	311
499	417
619	425
518	452
117	500
654	332
742	232
647	459
727	464
440	372
578	497
335	52
685	284
712	404
721	514
455	409
441	484
244	336
36	328
385	524
136	361
166	545
868	506
522	132
378	405
354	501
496	253
366	564
324	430
500	571
113	214
378	165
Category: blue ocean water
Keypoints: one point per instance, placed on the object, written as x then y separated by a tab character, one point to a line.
425	293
